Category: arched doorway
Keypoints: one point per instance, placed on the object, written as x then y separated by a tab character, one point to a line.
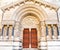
30	29
30	18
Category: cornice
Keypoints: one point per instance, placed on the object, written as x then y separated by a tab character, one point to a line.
41	3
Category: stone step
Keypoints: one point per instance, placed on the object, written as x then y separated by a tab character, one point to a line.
17	47
30	49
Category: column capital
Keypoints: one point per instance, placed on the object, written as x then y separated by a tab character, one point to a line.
43	23
46	24
13	25
2	25
7	25
52	25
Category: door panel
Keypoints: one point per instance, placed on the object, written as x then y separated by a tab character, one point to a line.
30	38
34	43
26	38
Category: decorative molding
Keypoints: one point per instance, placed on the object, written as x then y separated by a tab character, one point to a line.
8	22
18	3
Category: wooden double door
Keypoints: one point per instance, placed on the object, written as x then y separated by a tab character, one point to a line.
30	38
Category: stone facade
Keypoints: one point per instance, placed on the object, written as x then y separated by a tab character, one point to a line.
30	14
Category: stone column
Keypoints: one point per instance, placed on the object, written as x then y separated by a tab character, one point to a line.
46	30
43	43
43	30
55	31
13	31
5	32
0	32
10	32
16	31
50	32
